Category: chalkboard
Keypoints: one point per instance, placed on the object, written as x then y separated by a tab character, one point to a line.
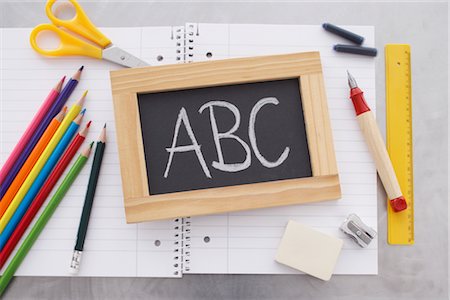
182	152
278	128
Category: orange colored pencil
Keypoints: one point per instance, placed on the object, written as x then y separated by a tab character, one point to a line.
31	160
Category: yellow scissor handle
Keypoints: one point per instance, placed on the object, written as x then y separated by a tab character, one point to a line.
69	44
79	24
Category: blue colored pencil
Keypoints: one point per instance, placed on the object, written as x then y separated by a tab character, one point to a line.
40	179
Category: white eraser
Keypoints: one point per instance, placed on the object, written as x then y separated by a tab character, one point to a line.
308	250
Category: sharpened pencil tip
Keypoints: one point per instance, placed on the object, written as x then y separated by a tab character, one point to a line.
80	116
77	74
64	108
61	114
83	111
81	68
102	137
87	151
84	132
82	99
59	85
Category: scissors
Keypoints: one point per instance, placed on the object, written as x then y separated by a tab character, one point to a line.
73	45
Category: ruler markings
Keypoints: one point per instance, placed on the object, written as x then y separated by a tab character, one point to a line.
399	138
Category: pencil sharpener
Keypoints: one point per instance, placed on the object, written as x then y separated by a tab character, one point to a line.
358	231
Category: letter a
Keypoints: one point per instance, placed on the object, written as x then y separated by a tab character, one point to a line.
252	134
221	165
182	116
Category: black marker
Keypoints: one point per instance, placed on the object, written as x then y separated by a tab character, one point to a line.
355	50
343	33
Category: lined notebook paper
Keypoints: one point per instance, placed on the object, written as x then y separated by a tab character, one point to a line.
112	247
243	242
246	242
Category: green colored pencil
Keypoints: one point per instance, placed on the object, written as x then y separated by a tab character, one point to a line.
43	219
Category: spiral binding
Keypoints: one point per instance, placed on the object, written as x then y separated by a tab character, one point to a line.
179	37
182	245
191	32
178	246
184	37
186	244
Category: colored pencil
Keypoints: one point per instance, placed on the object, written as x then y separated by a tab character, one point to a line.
6	230
43	219
31	129
88	201
42	195
73	112
31	160
59	103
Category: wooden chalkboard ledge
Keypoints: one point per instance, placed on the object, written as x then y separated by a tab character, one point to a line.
213	73
233	198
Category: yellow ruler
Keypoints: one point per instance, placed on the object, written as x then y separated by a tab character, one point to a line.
399	139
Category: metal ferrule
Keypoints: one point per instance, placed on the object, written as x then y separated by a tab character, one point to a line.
76	259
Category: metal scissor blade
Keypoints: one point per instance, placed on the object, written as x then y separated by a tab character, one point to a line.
122	57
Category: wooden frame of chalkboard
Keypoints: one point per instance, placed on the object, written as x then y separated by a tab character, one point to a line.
141	205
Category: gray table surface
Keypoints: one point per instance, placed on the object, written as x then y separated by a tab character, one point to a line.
405	272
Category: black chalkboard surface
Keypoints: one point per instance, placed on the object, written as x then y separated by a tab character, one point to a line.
280	151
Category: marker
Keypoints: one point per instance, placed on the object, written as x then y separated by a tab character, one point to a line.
377	147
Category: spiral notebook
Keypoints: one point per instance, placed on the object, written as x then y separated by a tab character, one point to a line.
237	243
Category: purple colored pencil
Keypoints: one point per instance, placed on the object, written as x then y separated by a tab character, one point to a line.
54	110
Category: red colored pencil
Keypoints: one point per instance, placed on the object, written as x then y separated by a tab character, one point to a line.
43	194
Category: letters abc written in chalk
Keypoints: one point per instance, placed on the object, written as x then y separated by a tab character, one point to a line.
221	165
223	136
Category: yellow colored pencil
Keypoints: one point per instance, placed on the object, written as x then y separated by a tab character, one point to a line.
71	115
